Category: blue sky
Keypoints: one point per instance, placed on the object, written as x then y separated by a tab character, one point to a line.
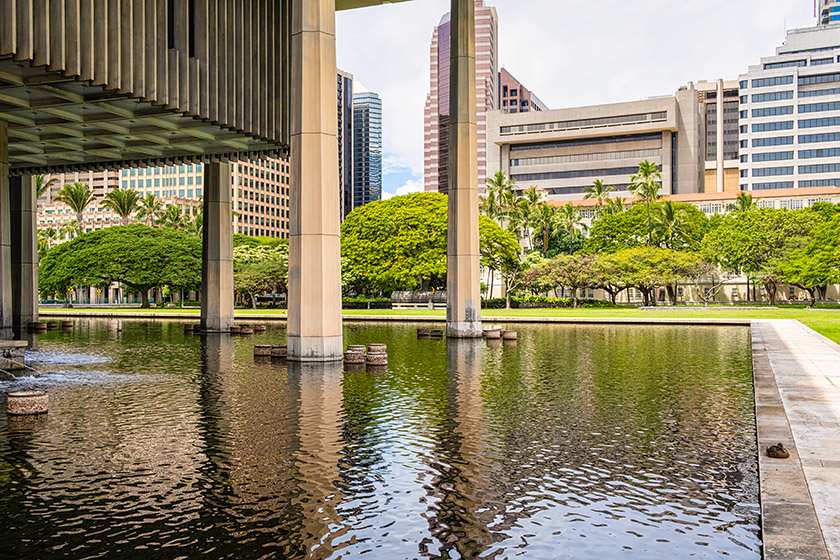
570	53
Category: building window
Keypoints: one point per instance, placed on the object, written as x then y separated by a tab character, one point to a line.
777	81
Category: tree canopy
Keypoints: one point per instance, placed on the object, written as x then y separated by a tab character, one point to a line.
139	256
400	244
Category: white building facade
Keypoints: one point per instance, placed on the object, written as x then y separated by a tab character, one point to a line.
789	119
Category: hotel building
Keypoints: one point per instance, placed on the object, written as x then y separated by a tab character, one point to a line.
790	114
516	98
436	117
259	194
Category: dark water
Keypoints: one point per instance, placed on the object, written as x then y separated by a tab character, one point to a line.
578	442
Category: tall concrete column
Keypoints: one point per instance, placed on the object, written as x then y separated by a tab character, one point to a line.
314	324
217	250
463	284
24	250
5	234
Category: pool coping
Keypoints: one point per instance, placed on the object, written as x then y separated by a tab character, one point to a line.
714	321
792	528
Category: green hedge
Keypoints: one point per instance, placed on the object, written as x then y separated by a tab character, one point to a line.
540	302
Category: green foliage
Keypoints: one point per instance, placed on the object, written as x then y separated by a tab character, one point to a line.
542	302
136	255
816	265
400	244
675	225
260	265
77	196
123	202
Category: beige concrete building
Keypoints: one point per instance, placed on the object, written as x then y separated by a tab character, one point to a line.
719	112
564	151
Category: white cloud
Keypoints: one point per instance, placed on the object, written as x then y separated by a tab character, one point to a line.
568	53
408	188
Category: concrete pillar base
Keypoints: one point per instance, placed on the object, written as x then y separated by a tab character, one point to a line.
315	348
464	329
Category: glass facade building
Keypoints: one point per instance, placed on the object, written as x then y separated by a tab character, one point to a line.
367	148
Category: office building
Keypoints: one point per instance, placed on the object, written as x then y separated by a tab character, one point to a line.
344	100
719	112
259	189
436	118
516	98
367	148
563	151
790	114
829	12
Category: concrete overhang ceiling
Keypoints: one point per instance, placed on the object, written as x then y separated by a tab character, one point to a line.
59	124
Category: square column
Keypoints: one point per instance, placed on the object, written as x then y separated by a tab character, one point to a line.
314	324
217	250
463	282
5	234
24	250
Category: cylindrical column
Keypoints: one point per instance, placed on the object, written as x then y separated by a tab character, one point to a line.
463	284
24	250
314	324
5	234
217	250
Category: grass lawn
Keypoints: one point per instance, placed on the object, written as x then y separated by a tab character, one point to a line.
824	321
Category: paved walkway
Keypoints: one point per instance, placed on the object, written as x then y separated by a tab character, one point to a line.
797	375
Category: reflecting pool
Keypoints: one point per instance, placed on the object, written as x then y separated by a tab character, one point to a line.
576	442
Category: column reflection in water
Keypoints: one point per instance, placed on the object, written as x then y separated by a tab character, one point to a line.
217	396
457	516
319	439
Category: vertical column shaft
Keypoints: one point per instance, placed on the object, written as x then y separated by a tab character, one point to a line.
314	324
217	250
24	250
5	233
463	284
668	186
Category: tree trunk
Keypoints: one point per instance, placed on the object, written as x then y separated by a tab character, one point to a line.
507	296
650	226
574	299
144	292
253	301
492	277
672	294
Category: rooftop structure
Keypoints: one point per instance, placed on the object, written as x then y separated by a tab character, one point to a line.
515	97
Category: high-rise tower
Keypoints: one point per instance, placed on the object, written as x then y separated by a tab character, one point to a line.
436	121
367	148
829	12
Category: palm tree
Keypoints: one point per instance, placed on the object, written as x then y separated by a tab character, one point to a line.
569	219
646	184
77	196
504	196
175	218
613	206
150	209
744	203
545	220
598	191
123	202
196	226
42	185
669	223
525	209
47	237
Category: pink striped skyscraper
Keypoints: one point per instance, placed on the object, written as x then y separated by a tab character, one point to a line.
436	125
